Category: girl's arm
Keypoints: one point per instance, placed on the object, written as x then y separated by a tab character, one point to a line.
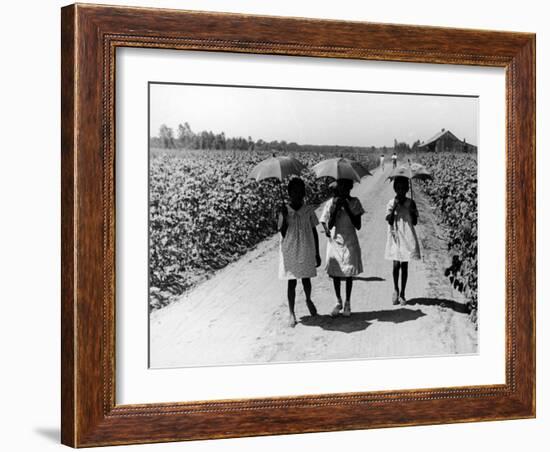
284	223
355	219
414	213
333	212
390	217
327	230
325	216
316	240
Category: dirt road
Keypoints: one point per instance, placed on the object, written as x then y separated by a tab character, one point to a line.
239	316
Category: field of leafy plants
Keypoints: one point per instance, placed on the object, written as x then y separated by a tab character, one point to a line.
206	213
454	192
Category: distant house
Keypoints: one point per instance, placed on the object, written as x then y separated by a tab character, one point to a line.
446	141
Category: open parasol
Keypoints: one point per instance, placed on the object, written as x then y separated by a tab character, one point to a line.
341	168
277	167
411	171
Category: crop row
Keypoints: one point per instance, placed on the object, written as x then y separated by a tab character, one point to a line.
206	213
454	192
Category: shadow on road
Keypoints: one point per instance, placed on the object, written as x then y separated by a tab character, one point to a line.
359	321
368	278
444	303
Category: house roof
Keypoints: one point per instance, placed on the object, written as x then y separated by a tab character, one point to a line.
437	136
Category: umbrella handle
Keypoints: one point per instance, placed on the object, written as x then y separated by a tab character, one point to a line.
411	180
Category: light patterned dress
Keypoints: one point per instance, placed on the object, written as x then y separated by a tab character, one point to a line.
297	248
402	243
343	250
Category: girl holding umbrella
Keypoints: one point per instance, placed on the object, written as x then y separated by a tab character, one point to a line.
341	218
299	243
402	243
299	246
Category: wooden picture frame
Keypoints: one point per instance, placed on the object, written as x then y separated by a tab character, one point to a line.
90	35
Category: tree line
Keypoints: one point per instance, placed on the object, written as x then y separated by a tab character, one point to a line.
185	138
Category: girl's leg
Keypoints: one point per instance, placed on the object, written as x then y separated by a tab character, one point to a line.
291	295
336	284
338	307
396	267
306	283
404	276
347	306
349	286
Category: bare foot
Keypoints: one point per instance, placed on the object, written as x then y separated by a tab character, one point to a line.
395	297
311	307
292	321
347	309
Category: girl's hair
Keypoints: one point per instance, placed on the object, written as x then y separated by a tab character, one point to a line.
295	183
401	180
346	183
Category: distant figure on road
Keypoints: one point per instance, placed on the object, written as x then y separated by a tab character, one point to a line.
394	159
382	162
299	246
340	219
402	243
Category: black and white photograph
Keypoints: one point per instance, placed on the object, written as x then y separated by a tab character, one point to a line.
296	225
242	226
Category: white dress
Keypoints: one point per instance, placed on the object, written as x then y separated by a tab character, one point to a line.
343	250
402	243
297	248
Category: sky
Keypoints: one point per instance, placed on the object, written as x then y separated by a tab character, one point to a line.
312	117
